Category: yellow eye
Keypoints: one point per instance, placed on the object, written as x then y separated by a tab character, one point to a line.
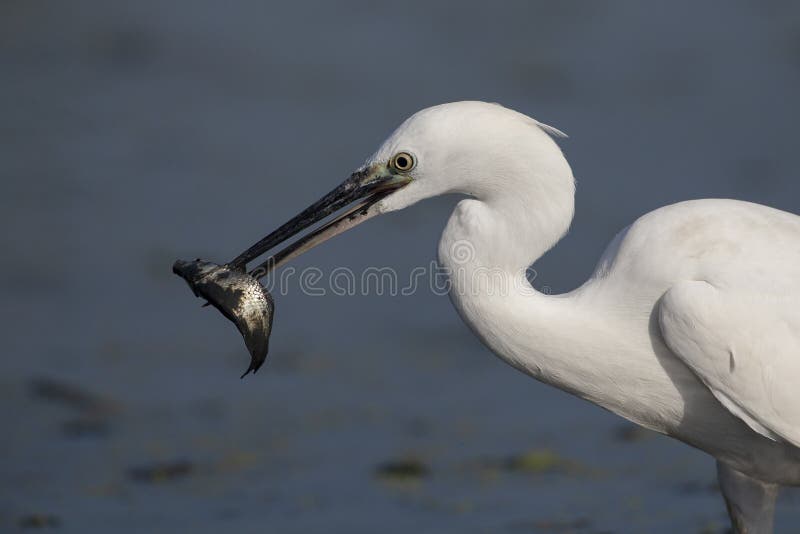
402	161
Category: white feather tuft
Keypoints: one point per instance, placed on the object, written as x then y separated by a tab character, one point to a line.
552	131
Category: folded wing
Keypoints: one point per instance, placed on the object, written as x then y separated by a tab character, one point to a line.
745	347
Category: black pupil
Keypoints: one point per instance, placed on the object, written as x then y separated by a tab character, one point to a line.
402	162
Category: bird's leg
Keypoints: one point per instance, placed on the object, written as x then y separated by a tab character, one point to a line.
751	503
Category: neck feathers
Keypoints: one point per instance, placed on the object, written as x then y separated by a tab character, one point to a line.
511	226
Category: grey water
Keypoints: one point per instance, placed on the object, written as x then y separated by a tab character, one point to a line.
122	409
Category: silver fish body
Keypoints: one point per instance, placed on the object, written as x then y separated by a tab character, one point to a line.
240	298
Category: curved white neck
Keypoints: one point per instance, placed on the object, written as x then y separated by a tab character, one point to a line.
486	248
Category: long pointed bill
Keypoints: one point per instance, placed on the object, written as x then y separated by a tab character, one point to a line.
369	185
239	295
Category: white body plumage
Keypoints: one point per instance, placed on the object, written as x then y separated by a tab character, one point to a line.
689	326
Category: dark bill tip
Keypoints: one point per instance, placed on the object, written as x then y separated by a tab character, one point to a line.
370	182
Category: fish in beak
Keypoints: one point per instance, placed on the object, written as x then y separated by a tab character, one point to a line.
238	294
239	297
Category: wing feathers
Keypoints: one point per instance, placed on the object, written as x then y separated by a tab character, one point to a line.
744	347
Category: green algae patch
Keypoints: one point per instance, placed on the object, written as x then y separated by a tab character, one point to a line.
161	472
537	461
408	469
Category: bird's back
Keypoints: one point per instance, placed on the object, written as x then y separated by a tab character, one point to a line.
703	284
728	243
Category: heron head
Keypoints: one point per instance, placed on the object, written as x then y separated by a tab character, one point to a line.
474	148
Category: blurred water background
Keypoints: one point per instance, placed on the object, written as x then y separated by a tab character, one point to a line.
133	133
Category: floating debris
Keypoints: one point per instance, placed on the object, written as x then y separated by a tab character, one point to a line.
536	461
39	521
161	472
72	396
405	469
240	298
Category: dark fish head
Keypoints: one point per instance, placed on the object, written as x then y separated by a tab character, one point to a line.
240	298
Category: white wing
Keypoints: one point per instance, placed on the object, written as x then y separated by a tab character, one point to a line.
745	347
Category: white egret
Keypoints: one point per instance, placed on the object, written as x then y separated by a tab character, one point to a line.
689	326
